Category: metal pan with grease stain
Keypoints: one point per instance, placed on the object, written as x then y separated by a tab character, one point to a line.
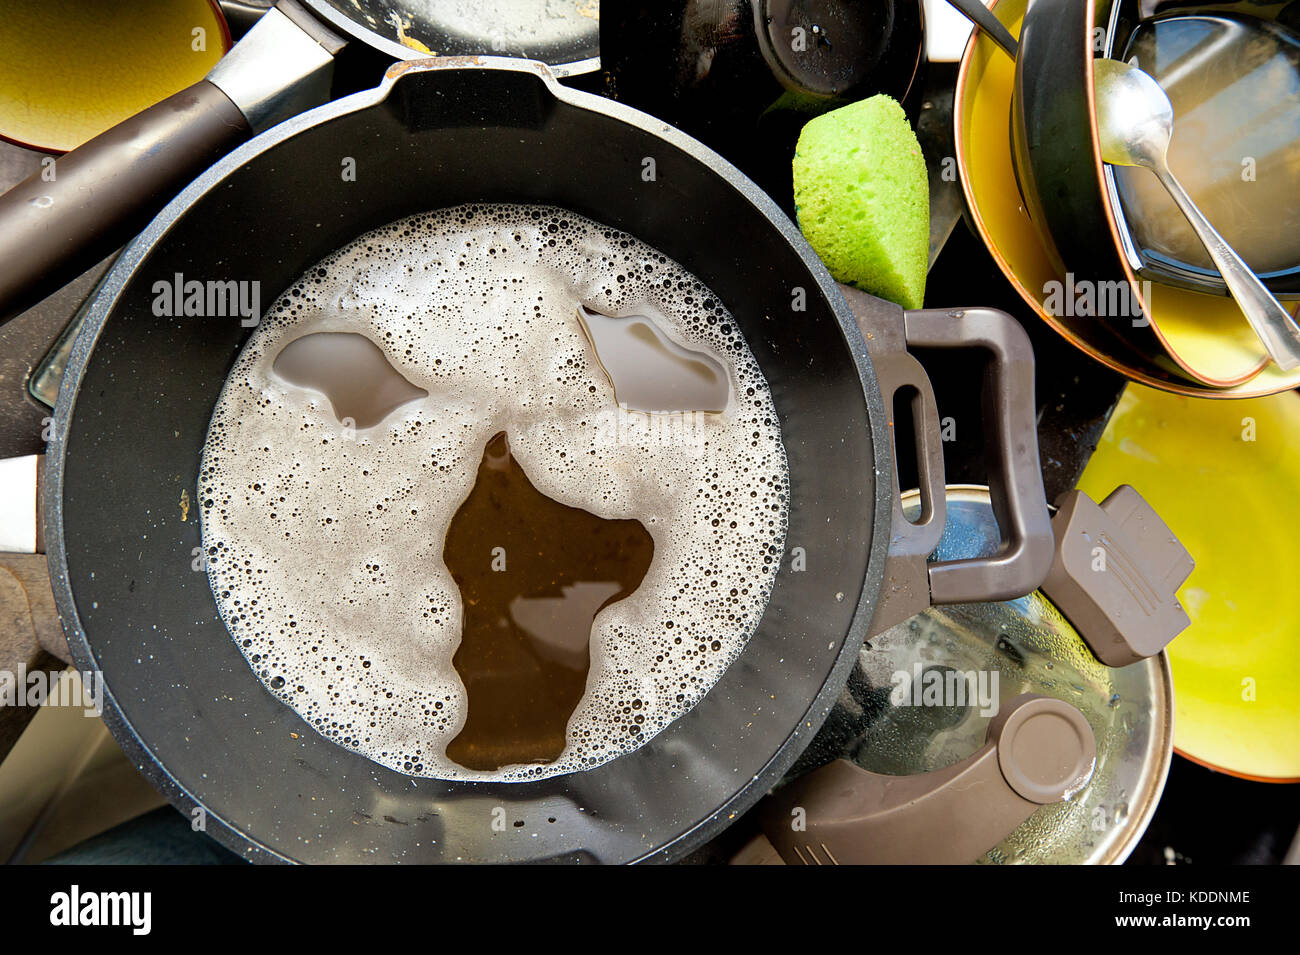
1251	61
563	35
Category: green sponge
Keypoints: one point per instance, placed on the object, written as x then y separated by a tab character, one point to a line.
863	200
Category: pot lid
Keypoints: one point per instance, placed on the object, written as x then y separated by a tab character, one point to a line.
922	696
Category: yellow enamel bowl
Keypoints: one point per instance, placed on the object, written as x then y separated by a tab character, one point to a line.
1224	476
1196	344
70	69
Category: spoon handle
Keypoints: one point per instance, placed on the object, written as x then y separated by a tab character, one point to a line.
982	16
1271	322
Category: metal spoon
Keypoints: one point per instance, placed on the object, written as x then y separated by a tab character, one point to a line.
1135	122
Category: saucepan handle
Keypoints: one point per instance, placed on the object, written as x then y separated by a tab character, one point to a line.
80	207
1016	484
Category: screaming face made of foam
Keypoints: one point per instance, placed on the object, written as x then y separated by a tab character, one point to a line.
324	540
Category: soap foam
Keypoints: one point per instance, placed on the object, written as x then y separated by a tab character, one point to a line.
324	542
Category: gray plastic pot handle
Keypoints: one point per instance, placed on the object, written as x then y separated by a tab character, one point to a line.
1010	435
1015	475
1116	575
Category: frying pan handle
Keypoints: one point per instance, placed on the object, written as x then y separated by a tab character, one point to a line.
82	206
1011	438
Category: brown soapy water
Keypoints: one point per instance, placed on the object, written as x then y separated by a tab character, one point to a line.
350	371
532	573
330	548
649	371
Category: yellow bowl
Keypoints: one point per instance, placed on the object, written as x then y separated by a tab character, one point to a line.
70	69
1224	476
1206	346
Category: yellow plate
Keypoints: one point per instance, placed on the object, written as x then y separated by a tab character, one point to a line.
1205	334
70	69
1225	476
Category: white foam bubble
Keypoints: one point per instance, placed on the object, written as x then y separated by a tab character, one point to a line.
324	545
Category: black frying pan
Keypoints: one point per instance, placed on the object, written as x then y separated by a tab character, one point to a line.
139	390
105	191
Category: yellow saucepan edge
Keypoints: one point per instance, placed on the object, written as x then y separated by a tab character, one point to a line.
70	69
